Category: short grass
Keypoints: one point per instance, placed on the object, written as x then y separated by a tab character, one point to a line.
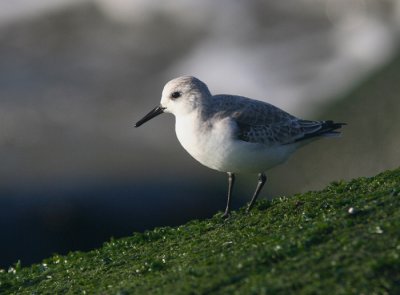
304	244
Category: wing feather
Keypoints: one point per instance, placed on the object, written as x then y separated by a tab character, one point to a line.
261	122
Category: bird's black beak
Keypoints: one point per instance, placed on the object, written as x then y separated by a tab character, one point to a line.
153	113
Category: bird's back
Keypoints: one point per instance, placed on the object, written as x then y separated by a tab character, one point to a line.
246	110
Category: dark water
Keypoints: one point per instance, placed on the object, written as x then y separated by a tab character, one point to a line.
36	224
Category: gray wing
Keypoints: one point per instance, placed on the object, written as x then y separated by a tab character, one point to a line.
260	122
287	132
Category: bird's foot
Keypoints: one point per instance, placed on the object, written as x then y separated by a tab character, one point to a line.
226	215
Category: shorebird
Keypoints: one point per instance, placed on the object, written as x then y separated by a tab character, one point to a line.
235	134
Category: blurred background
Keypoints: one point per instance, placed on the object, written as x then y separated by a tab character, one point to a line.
76	75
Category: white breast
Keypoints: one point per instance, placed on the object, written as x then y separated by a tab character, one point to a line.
202	141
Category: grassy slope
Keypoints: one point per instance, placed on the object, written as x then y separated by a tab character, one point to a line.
307	243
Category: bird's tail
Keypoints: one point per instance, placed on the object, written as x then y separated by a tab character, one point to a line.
319	129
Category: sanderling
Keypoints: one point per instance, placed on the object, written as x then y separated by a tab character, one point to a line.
234	134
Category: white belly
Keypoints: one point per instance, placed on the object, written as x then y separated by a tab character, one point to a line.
216	148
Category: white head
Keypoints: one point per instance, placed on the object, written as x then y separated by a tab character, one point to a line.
181	95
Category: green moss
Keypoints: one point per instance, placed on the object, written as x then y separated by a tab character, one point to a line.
306	244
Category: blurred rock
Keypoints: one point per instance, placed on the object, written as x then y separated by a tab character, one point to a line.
370	143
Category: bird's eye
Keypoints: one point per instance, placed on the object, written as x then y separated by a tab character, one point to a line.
175	94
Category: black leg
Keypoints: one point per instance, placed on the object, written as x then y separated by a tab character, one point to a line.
261	181
231	181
